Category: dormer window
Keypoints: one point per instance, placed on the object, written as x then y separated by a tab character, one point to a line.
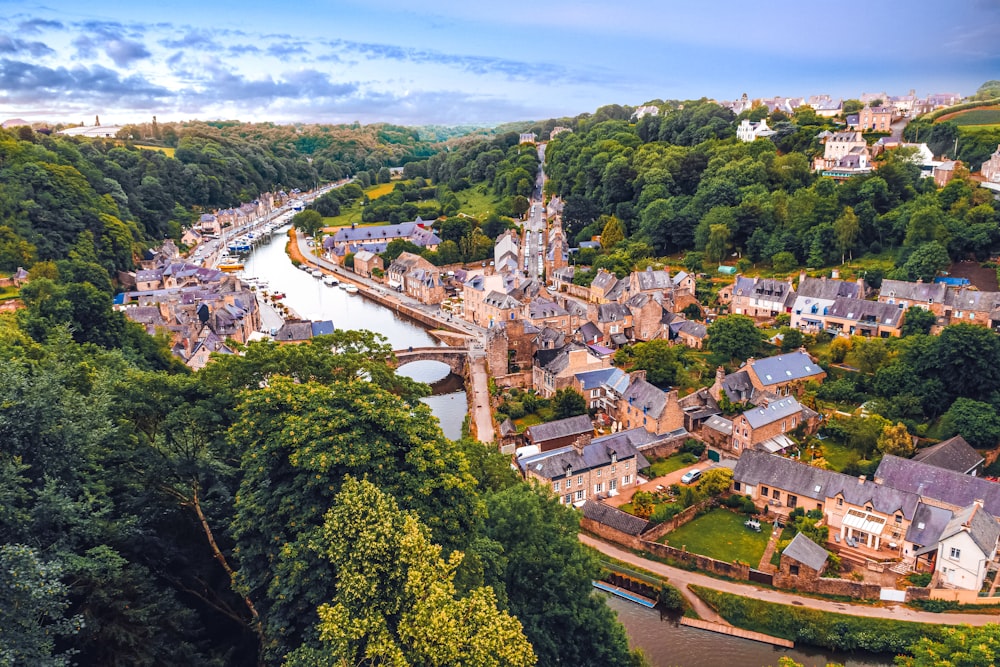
614	457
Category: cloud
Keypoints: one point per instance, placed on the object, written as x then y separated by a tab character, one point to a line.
36	26
226	85
285	50
22	82
124	52
11	45
193	39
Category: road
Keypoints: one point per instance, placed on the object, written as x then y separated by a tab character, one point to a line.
534	227
682	578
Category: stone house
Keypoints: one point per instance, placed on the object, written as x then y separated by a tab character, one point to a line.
614	321
764	427
814	296
969	306
210	224
606	288
761	298
554	369
557	255
691	334
542	312
507	252
365	262
647	318
588	468
875	119
952	454
417	232
944	172
417	277
602	388
644	405
802	561
929	296
858	317
559	433
784	374
990	170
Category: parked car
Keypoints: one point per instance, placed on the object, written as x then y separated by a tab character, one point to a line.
691	476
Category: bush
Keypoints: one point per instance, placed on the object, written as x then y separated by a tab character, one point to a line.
935	606
692	446
921	580
665	512
688	458
515	409
670	598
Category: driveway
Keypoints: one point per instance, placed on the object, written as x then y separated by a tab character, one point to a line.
665	481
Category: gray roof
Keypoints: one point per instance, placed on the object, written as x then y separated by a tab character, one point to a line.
612	312
653	280
501	300
556	463
540	308
738	386
807	552
927	525
696	329
646	397
636	437
507	428
411	230
560	428
785	367
972	299
295	330
590	332
720	424
944	485
756	467
923	292
982	528
953	454
866	312
604	280
775	410
822	288
763	288
605	376
613	517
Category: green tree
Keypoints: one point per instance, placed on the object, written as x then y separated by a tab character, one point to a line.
926	262
612	233
784	261
718	243
657	357
896	440
715	481
962	646
791	339
847	228
917	320
394	597
975	421
397	247
569	402
308	221
734	337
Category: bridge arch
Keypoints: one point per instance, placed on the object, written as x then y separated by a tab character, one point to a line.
454	357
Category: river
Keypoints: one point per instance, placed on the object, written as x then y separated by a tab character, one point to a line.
664	642
313	300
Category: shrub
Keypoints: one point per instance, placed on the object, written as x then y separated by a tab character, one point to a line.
692	446
664	512
921	579
935	605
670	598
515	409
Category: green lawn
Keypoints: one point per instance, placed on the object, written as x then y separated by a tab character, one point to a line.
475	203
661	467
720	534
9	293
837	455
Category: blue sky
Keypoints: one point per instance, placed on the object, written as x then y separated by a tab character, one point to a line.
463	61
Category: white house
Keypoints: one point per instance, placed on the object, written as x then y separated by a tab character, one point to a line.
967	545
747	131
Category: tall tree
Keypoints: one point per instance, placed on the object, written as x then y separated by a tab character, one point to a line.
734	337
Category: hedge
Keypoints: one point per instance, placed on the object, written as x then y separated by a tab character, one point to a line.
819	628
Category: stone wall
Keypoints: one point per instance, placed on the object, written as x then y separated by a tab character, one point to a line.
610	534
825	586
683	517
664	448
961	596
738	571
522	380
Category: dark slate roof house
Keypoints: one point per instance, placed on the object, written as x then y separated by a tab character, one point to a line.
952	454
560	432
807	552
612	517
948	486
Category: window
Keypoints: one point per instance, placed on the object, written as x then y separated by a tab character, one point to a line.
613	469
627	464
626	480
613	485
792	500
764	491
579	495
899	518
775	494
782	425
793	570
736	486
598	488
579	480
840	502
555	486
568	499
955	553
598	473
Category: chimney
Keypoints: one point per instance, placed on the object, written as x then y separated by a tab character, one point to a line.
638	375
861	479
802	278
764	402
835	274
581	442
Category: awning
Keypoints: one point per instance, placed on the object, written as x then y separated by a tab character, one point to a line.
778	443
863	521
580	503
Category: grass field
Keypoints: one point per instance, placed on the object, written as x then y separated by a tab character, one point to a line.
721	535
981	116
169	152
837	455
475	203
380	190
9	293
662	467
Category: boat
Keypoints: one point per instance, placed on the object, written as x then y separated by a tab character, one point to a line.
316	273
344	285
304	267
228	263
351	289
330	280
278	296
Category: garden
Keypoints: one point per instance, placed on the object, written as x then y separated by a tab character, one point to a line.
721	534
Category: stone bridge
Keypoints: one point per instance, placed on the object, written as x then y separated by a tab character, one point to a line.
454	357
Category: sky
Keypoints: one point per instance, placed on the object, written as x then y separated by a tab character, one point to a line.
452	62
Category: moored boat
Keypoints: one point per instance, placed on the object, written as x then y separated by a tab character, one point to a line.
330	280
351	289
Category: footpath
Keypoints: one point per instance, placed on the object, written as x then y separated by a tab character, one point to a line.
683	578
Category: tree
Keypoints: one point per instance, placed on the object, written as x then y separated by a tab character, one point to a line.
612	233
718	243
657	357
394	597
791	339
917	320
847	228
962	646
926	262
308	221
715	481
734	337
966	360
784	261
896	440
568	402
397	247
975	421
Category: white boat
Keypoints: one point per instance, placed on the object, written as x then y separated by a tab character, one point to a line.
316	273
351	289
330	280
304	267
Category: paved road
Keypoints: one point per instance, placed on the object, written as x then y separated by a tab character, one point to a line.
682	578
479	405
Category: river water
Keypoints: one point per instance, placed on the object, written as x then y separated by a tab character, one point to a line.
665	643
313	300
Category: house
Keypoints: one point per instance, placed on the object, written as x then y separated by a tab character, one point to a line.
605	287
826	107
543	313
559	433
358	238
191	237
929	296
557	130
506	252
761	298
614	321
764	427
647	317
967	547
554	369
645	110
294	331
802	560
953	454
587	468
602	388
969	306
814	296
612	517
210	225
643	405
717	431
858	317
510	439
417	277
944	172
747	131
365	262
527	138
784	374
990	170
875	119
839	145
951	488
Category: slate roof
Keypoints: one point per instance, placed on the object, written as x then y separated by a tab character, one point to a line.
554	464
755	467
364	256
738	386
411	230
501	300
768	289
590	332
952	454
653	280
646	397
507	428
785	367
822	288
565	274
612	517
947	486
695	329
807	552
927	525
560	428
982	528
540	308
617	291
972	300
294	330
604	376
774	411
322	327
612	312
866	312
720	424
923	292
604	280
